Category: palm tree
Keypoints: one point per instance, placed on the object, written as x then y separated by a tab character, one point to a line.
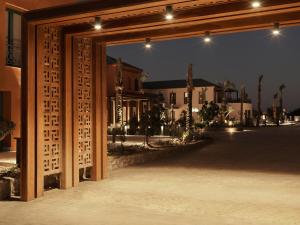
189	86
119	92
242	93
275	100
260	78
281	88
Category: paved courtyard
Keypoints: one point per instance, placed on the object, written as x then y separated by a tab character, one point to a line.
243	178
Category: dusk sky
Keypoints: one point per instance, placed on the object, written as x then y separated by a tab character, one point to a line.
236	57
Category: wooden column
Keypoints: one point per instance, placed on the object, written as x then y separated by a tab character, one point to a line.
128	110
114	113
28	107
103	110
138	110
100	116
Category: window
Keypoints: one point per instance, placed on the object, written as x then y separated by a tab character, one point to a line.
172	98
13	38
202	97
129	84
136	85
185	97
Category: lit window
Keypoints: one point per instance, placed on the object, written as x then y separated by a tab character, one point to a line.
185	97
172	98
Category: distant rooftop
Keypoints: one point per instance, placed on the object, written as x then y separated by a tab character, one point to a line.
110	60
176	84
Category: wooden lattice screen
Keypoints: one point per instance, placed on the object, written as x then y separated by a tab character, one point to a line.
50	99
83	101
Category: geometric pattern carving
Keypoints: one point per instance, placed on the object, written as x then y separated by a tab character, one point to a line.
84	99
51	98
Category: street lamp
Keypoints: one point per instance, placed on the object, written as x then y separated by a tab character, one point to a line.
148	44
98	24
256	4
169	12
207	37
276	29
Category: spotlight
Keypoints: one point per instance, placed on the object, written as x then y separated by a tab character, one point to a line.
207	37
97	24
256	4
169	12
276	29
148	44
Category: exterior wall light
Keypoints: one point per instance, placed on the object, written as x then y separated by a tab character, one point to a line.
256	4
98	24
148	44
276	29
207	37
169	12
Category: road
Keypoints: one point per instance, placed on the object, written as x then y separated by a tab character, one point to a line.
243	178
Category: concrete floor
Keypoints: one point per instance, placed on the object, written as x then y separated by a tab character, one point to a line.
243	178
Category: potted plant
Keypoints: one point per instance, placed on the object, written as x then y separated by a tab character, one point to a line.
6	127
11	176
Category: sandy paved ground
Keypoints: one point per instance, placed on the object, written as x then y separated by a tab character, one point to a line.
243	178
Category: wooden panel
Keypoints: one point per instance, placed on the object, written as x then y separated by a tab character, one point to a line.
83	102
49	100
67	173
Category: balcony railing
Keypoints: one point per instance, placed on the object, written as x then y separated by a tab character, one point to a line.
13	53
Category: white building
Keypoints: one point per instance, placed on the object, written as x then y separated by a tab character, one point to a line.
174	91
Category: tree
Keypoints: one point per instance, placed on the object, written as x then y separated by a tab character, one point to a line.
243	95
260	78
275	109
208	113
119	94
281	88
189	86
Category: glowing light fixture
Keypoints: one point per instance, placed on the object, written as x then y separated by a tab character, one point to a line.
256	4
207	37
276	29
148	44
98	24
169	12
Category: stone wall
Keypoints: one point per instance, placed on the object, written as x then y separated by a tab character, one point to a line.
116	162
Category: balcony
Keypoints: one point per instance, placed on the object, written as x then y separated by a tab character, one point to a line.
13	53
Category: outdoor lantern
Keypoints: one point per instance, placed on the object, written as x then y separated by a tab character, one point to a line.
256	4
97	24
148	43
276	29
169	12
207	37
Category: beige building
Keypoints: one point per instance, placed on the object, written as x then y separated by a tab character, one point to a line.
175	92
10	58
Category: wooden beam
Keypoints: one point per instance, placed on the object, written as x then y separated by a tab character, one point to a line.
28	115
229	26
87	9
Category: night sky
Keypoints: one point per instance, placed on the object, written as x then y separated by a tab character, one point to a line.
236	57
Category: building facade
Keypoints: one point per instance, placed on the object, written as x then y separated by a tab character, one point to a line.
175	97
135	101
10	59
